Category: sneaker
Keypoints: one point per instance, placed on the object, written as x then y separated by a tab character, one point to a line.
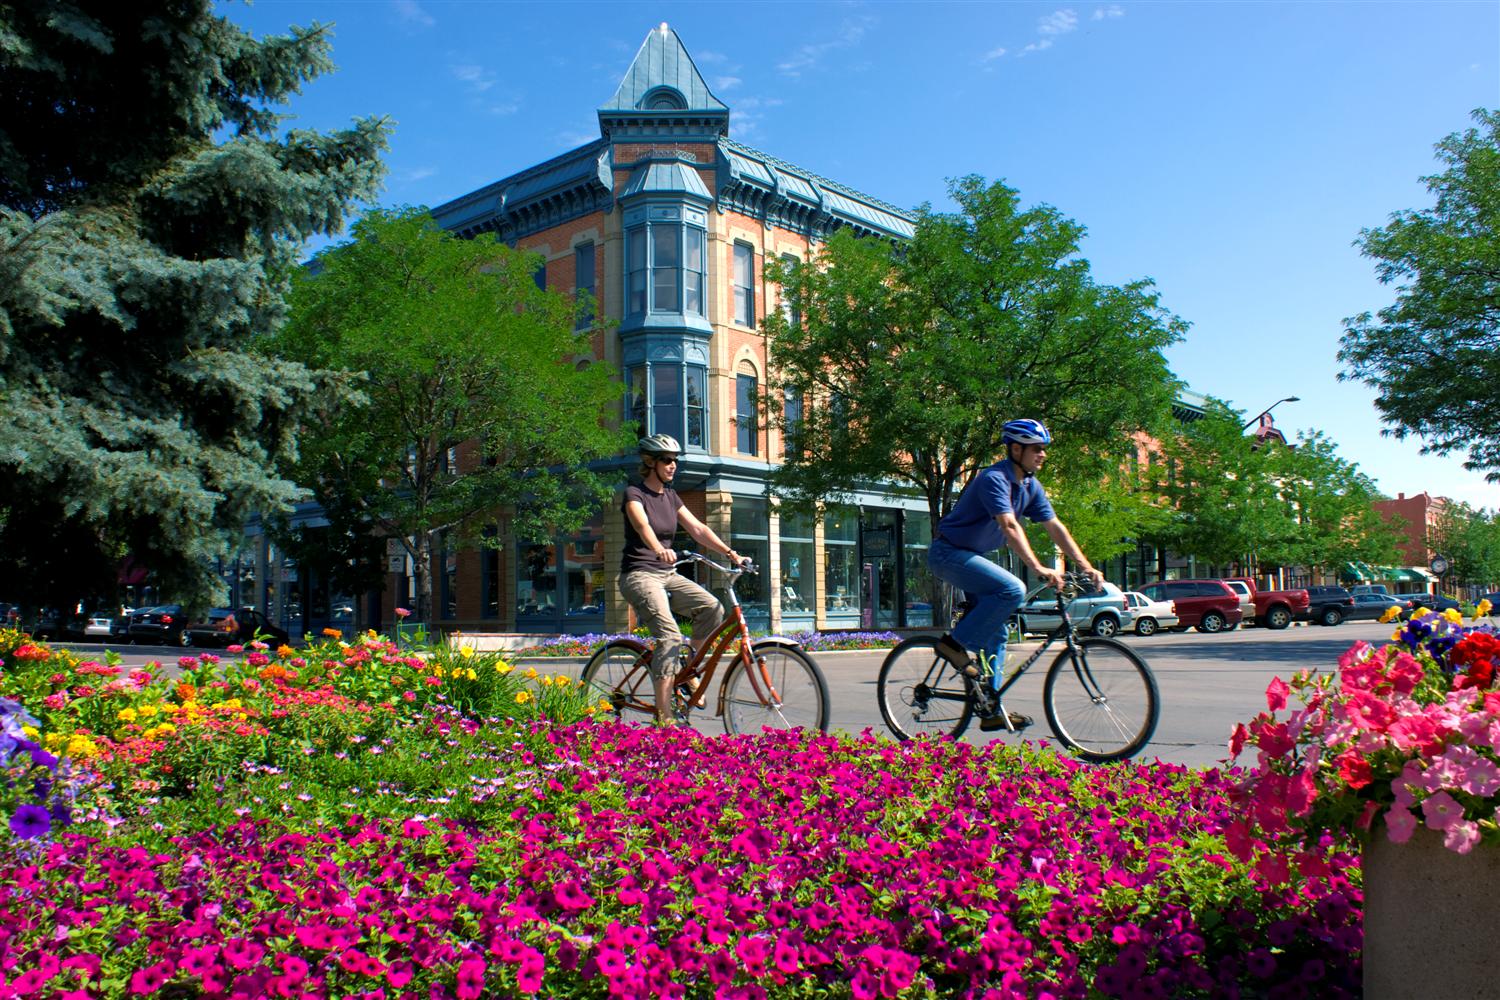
990	723
957	655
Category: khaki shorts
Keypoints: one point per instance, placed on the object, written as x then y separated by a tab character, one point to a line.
658	598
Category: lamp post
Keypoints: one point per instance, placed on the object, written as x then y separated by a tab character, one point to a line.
1288	399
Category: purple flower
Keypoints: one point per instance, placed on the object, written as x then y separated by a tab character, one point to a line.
30	822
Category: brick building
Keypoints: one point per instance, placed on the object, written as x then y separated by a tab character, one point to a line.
667	221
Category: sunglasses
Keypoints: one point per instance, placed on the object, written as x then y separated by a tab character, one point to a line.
670	459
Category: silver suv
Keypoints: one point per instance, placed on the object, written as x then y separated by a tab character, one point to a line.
1101	612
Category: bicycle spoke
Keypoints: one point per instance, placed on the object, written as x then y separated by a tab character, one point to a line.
801	699
1102	701
616	675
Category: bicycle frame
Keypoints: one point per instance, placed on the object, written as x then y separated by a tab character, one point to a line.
1066	631
712	651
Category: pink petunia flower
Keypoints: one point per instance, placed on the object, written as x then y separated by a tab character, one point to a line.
1461	836
1442	811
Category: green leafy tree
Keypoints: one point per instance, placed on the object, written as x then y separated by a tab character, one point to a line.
1470	539
1434	355
1331	505
475	411
910	358
150	212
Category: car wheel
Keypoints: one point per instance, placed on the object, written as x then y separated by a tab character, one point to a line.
1211	622
1278	619
1331	616
1145	626
1106	626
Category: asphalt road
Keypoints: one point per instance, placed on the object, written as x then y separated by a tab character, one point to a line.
1207	683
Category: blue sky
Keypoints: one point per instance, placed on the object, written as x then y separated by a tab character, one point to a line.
1230	151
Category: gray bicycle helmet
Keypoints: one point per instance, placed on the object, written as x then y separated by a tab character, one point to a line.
660	444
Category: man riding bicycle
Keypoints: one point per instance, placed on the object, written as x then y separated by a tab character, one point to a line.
987	517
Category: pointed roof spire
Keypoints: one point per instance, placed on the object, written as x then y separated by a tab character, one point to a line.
663	78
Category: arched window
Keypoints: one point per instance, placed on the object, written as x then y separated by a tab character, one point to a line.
664	99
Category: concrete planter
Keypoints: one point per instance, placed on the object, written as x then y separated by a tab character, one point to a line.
1430	919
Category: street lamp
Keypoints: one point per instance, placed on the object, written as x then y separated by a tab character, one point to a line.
1288	399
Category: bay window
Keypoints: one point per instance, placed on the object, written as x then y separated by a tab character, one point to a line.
669	398
664	268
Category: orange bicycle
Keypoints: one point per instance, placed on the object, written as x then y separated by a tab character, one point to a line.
768	682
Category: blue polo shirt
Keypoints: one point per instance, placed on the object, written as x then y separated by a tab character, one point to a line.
996	490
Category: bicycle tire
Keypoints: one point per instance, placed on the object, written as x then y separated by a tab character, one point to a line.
796	679
921	693
609	673
1120	721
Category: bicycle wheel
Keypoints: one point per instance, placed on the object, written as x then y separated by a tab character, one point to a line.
1102	702
618	673
922	694
800	692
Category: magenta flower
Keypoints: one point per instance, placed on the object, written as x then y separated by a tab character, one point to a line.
403	613
151	978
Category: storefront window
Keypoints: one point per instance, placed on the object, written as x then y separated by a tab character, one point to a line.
536	590
798	557
748	535
918	579
840	567
448	579
489	576
583	569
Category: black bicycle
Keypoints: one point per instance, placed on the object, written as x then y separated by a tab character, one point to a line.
1099	695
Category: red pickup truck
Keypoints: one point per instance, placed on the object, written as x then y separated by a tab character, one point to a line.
1275	609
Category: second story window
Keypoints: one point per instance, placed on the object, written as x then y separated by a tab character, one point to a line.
664	269
791	413
669	398
583	280
744	284
788	302
746	429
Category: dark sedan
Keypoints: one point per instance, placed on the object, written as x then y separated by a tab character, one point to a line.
221	627
1370	607
161	625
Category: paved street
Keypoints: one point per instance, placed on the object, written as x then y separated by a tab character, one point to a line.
1207	682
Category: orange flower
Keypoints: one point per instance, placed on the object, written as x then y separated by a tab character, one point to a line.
285	651
186	692
332	633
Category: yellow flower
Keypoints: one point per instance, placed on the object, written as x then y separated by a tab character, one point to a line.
522	697
81	746
471	675
126	715
604	704
1453	615
1483	610
166	727
530	673
30	731
503	668
546	682
466	651
52	740
1391	613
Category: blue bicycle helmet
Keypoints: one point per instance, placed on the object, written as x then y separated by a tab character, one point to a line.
1025	431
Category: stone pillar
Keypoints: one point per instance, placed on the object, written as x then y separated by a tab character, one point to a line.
772	569
820	580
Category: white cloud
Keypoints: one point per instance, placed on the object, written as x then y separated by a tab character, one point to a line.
1059	22
1038	46
573	138
504	107
750	115
418	174
994	54
722	83
477	77
708	57
412	13
1113	10
807	57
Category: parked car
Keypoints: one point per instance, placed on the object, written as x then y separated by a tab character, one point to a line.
161	625
100	627
1101	612
1206	605
1432	602
1370	607
1275	609
1370	588
1146	615
10	615
221	627
1330	605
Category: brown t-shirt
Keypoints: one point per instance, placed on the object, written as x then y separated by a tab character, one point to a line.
661	514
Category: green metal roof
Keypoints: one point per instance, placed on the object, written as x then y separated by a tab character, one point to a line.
660	177
749	164
663	63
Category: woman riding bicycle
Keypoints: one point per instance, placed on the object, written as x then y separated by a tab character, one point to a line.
986	517
648	580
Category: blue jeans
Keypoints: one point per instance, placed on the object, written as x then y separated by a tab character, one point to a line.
997	594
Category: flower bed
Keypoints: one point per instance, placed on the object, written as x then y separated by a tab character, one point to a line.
307	829
1408	734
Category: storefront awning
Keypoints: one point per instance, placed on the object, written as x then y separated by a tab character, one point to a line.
1423	575
1356	571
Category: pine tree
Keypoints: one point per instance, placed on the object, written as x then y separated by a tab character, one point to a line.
152	209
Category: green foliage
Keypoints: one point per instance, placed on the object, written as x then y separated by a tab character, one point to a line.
150	211
473	408
911	358
1236	500
1470	539
1434	355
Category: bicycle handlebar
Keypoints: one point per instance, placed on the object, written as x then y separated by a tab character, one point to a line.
693	557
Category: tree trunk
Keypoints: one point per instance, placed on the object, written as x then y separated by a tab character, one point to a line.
424	580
